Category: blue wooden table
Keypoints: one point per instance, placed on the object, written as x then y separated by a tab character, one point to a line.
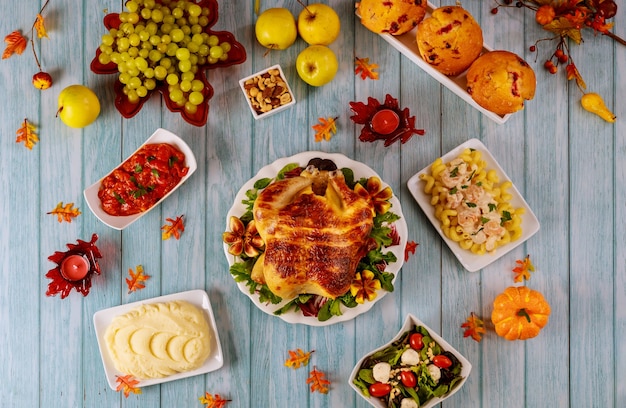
566	162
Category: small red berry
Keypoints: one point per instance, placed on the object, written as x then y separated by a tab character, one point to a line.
548	64
494	10
553	69
563	58
533	48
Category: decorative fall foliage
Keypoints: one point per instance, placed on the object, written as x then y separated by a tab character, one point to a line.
410	248
137	279
298	358
523	269
213	401
16	44
366	69
65	212
127	384
26	134
40	27
317	381
474	327
325	129
173	229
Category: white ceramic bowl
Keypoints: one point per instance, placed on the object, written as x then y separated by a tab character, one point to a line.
409	323
121	222
470	261
257	115
199	298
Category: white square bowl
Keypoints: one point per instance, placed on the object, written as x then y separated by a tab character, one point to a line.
263	115
409	324
470	261
123	221
199	298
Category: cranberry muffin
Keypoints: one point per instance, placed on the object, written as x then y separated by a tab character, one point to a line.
393	17
450	39
501	81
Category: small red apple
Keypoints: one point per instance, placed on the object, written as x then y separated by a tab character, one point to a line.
42	80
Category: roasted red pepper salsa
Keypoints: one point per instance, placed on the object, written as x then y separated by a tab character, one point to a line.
142	180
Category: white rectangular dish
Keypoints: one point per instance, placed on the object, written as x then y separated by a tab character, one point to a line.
470	261
407	45
121	222
198	298
409	324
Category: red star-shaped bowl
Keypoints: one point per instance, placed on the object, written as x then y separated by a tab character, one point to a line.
236	55
62	283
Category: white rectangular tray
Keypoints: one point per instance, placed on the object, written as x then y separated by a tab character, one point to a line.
407	45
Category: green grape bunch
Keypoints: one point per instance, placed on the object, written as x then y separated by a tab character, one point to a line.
163	42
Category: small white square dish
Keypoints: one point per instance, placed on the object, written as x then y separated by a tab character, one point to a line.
123	221
422	371
267	92
199	298
471	261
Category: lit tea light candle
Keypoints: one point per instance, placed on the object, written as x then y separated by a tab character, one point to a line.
74	267
385	121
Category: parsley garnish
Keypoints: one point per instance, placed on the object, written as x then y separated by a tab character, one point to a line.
492	207
138	168
506	216
453	191
171	161
155	173
470	204
454	172
119	198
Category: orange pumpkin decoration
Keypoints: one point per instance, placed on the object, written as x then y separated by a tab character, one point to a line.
519	313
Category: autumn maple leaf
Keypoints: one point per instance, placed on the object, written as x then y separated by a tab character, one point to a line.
213	401
474	327
366	69
127	384
40	27
317	381
65	212
26	134
298	358
410	248
174	228
523	270
325	129
572	73
16	44
137	279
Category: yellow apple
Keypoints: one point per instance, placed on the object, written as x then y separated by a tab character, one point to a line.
276	29
78	106
318	24
317	65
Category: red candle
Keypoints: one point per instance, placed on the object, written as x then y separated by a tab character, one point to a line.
385	121
74	267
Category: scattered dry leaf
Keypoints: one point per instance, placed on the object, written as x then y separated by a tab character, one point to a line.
213	401
174	228
298	358
65	212
26	134
127	384
523	270
40	26
410	248
16	44
474	327
137	279
317	381
366	69
325	129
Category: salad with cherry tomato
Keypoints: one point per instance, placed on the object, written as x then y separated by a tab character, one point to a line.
411	371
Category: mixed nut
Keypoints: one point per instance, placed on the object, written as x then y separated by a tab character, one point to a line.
267	91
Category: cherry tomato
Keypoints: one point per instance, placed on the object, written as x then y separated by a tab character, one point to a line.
408	379
416	341
442	361
379	389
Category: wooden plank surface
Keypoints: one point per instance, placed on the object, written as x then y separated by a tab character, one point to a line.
567	163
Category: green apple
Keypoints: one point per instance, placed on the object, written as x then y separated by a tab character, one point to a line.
276	29
317	65
78	106
318	24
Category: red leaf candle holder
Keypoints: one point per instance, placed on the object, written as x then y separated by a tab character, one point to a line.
74	268
128	109
384	121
